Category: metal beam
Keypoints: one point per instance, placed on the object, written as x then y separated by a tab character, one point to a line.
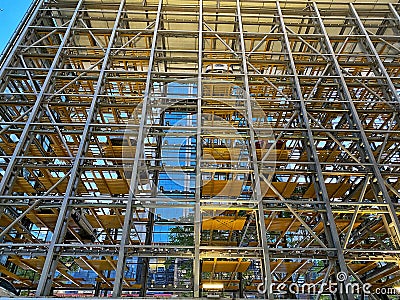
19	35
253	154
117	289
198	180
382	70
365	145
318	179
50	265
23	143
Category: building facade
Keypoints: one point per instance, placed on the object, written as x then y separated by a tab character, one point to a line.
196	148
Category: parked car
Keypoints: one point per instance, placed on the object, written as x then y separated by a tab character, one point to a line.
219	68
7	289
86	230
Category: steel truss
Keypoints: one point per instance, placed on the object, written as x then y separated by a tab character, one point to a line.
240	144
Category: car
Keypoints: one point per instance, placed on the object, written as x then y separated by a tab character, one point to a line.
219	68
86	230
7	289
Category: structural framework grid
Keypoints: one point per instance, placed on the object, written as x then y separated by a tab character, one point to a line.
201	147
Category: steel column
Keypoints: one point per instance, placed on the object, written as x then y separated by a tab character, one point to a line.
11	48
50	265
367	149
23	143
126	230
318	179
258	195
198	181
377	60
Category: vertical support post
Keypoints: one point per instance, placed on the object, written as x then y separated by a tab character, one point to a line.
145	261
50	265
197	212
364	139
119	276
395	13
318	179
19	34
372	49
258	195
23	143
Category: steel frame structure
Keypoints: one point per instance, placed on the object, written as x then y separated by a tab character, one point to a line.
247	143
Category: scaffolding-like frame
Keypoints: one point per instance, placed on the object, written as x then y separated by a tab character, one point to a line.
256	142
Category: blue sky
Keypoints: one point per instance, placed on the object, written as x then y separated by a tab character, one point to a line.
11	13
